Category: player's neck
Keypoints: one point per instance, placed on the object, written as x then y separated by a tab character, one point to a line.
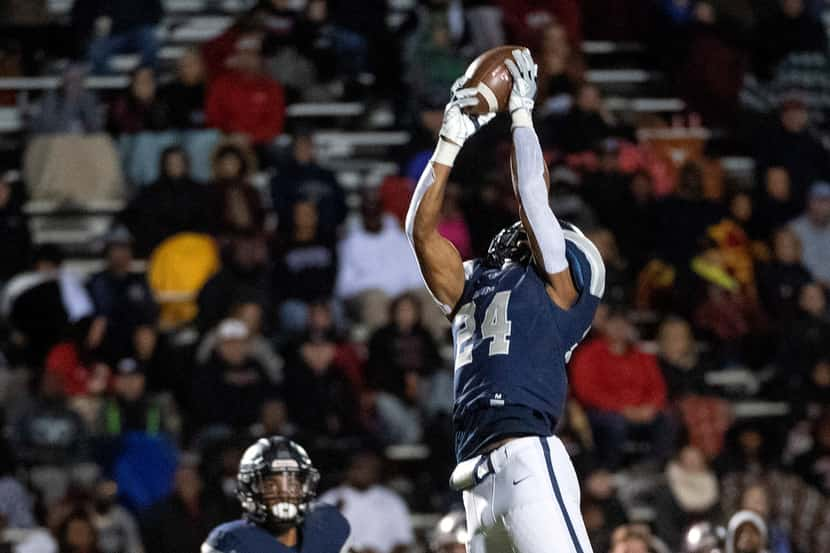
289	537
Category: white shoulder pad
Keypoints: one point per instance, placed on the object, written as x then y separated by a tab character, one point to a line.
597	285
469	267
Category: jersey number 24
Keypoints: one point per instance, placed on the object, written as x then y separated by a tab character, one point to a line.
495	327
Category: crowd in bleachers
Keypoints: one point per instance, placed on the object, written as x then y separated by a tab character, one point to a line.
253	277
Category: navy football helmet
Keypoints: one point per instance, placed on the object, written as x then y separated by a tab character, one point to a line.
510	244
513	244
276	482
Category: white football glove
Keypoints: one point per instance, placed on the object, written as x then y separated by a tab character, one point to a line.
524	70
458	126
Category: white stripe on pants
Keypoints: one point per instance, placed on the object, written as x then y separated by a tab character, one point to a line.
530	504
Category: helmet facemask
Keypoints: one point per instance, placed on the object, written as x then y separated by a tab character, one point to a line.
287	494
510	244
278	493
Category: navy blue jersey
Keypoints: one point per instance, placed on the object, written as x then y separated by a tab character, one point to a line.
324	530
512	344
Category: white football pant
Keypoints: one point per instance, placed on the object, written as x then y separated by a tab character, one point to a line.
529	504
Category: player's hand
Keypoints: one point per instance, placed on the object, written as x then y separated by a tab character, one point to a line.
522	96
458	126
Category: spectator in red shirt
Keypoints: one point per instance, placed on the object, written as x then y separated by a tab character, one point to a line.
622	390
244	101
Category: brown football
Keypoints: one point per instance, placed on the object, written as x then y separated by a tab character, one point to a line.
489	74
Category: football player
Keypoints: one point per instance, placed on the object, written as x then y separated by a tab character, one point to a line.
516	317
276	486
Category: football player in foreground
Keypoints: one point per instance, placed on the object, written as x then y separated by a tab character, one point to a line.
276	486
516	316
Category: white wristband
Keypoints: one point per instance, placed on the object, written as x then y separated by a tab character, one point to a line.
445	152
521	118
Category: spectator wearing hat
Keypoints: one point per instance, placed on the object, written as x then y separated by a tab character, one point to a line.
746	533
813	229
130	409
260	347
232	386
121	296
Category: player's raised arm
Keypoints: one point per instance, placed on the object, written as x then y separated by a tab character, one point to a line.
546	238
440	263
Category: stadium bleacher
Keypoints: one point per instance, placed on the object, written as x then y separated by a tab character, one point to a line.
360	141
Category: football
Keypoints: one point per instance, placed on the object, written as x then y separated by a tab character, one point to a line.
492	78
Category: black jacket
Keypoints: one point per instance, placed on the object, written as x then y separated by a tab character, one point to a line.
185	105
165	208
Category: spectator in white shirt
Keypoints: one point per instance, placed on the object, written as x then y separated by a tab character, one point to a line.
375	264
378	516
813	229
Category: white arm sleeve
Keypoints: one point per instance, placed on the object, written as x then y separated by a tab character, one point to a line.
533	195
427	179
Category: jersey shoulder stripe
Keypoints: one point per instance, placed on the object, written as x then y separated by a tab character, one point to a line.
596	273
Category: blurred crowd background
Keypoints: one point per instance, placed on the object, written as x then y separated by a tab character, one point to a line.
201	244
